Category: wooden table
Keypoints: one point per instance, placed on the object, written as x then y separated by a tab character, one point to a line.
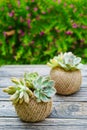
69	112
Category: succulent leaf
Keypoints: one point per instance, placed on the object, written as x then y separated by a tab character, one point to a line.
21	94
44	98
14	80
77	61
20	101
79	66
10	90
16	101
26	97
14	96
29	92
21	81
36	93
49	91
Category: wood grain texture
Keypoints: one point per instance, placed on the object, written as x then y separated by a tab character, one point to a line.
6	81
32	127
19	71
65	110
68	113
48	124
8	72
32	66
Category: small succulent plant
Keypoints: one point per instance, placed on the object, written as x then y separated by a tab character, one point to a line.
32	85
19	92
44	89
29	78
67	61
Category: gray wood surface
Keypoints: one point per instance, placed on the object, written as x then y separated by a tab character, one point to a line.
68	113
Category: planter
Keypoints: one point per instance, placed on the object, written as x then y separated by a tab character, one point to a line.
66	82
32	96
33	111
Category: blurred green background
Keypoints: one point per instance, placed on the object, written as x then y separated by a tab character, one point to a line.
33	31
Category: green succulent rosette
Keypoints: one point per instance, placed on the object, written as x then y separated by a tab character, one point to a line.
32	85
68	61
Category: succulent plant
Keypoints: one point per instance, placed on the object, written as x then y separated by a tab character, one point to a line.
32	85
67	61
19	91
44	89
29	78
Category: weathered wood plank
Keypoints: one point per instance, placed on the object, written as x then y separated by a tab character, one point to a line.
6	81
28	127
19	71
60	110
33	65
56	124
23	66
47	122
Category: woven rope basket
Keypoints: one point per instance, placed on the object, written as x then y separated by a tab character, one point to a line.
33	112
66	82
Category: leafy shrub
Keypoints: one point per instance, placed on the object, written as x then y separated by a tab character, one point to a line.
33	31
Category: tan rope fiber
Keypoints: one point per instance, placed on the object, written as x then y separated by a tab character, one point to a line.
33	112
66	82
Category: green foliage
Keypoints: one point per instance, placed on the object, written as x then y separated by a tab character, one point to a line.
32	31
67	61
43	89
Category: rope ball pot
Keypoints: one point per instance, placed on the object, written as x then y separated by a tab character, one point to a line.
32	96
66	73
33	111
